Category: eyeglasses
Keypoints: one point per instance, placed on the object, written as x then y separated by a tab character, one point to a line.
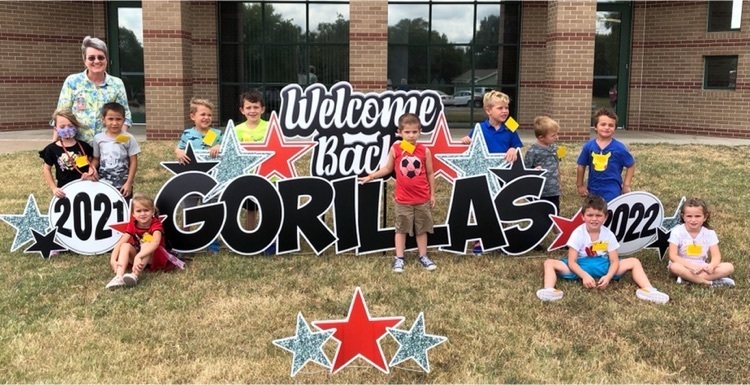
100	57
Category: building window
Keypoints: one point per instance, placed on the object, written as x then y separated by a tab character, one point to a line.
720	72
724	15
460	49
267	45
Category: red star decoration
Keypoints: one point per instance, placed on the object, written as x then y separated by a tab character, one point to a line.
441	143
281	163
566	227
122	226
359	335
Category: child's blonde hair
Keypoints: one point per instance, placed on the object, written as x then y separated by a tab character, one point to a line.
543	125
195	102
697	202
493	97
66	113
144	201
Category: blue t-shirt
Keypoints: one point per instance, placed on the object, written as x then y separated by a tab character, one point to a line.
195	138
605	172
500	140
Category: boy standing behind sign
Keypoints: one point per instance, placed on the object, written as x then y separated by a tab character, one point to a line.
415	190
253	129
115	151
201	137
500	138
605	157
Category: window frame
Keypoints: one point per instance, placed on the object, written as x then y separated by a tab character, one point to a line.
706	58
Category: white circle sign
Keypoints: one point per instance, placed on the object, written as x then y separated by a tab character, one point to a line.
83	217
634	219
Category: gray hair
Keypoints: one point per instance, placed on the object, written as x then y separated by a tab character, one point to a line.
93	42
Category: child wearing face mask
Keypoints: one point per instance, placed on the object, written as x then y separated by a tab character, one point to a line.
70	157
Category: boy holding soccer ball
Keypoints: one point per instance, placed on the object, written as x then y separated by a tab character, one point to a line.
415	190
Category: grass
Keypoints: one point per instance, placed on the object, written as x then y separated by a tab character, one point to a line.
214	322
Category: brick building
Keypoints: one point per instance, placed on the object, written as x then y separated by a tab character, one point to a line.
671	66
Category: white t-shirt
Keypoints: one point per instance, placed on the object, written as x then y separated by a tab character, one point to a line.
688	247
580	240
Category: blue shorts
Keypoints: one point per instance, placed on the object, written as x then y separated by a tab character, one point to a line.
595	267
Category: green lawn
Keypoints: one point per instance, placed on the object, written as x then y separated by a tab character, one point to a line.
215	321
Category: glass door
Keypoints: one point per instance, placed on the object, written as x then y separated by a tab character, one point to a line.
611	59
125	45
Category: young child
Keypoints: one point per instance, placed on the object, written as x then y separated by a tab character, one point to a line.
116	151
201	137
592	258
543	155
142	245
498	137
689	246
70	157
414	192
605	157
253	129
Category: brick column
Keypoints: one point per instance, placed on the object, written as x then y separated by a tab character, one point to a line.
168	65
570	65
368	44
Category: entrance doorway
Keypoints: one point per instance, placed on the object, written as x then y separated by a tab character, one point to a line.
612	58
125	38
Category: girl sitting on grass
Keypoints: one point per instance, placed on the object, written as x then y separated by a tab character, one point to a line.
689	246
141	246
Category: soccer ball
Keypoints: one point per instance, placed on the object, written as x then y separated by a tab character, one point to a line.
410	166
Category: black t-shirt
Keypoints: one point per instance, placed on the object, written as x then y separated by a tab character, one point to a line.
65	162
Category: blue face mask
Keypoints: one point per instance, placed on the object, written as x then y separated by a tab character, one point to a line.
68	132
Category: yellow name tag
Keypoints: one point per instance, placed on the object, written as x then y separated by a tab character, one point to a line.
408	147
147	237
210	138
694	250
122	138
82	161
599	246
511	124
561	152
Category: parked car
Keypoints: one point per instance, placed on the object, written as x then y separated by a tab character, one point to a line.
447	99
465	98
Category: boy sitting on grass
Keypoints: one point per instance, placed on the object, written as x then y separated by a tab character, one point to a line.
592	258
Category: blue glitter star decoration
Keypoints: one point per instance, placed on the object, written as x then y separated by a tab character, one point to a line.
414	344
668	223
30	219
306	346
234	161
477	160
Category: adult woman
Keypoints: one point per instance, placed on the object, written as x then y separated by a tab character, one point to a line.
85	93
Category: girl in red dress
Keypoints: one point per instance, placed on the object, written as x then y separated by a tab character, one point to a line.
141	246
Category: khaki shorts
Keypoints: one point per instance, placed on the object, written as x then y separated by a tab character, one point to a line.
411	219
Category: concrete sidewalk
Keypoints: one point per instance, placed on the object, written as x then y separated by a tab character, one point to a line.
36	139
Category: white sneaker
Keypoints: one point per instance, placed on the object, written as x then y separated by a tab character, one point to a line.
549	294
130	279
398	265
652	294
115	282
726	281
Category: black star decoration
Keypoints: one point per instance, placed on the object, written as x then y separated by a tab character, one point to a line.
517	169
45	244
661	242
193	165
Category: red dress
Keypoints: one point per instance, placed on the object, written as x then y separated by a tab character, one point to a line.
162	259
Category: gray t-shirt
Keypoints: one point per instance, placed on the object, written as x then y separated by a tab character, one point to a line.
114	157
546	158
